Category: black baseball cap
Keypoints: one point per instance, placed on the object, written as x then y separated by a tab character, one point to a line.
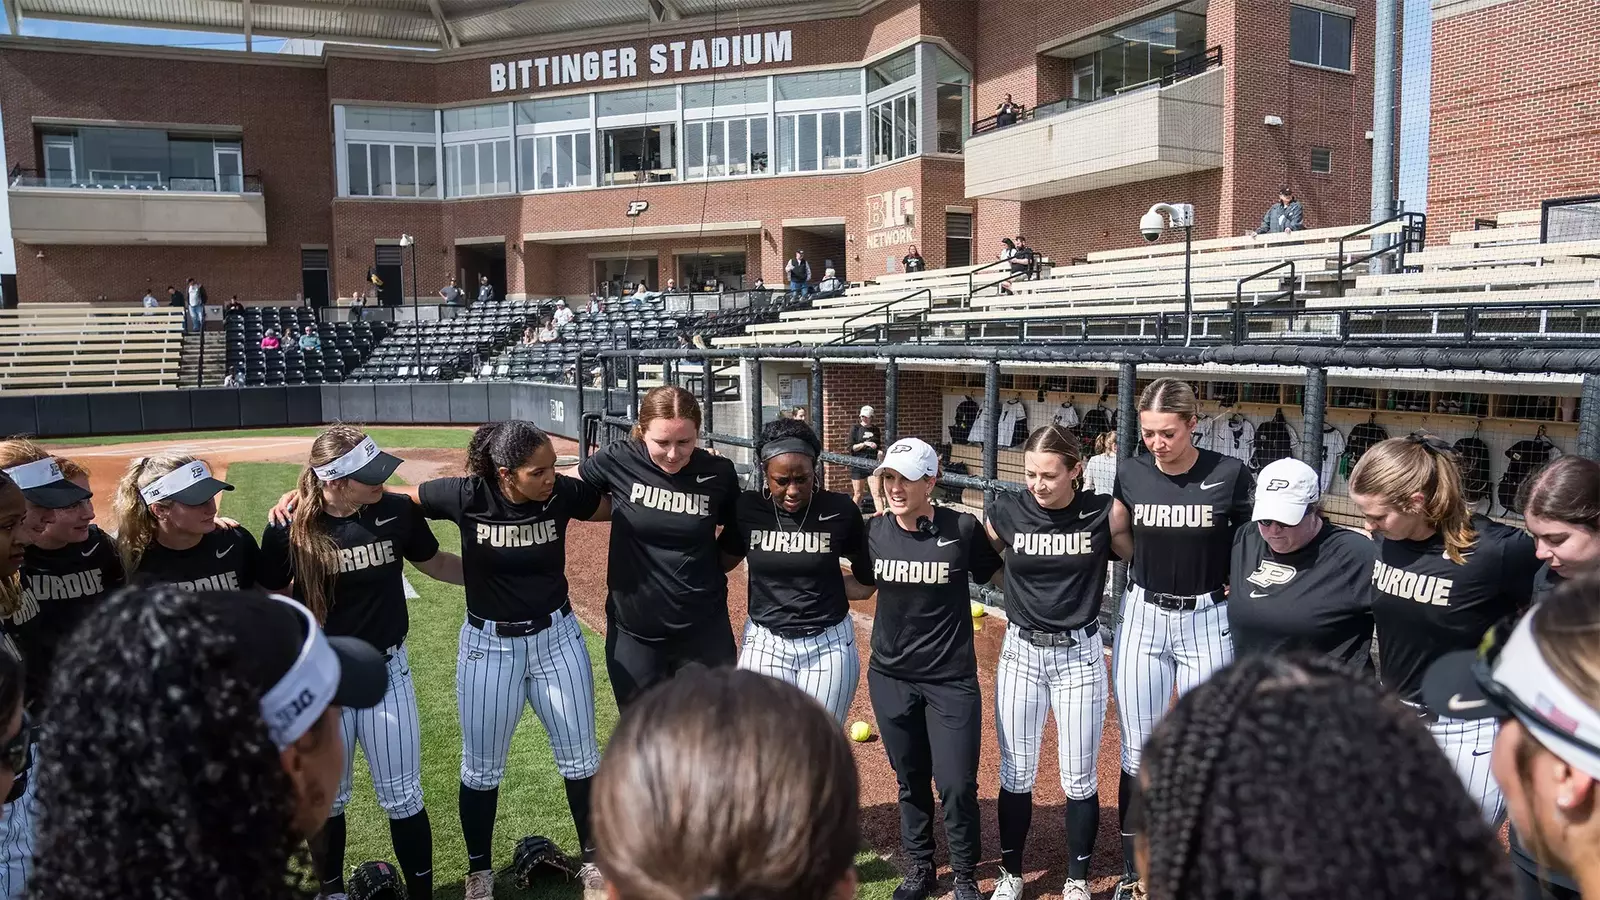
43	484
299	670
364	463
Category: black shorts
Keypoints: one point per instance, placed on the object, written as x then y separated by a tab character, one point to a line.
861	474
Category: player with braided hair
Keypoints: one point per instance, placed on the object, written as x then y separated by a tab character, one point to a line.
792	534
1244	801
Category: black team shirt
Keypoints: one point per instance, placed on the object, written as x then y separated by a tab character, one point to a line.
513	555
226	559
663	573
1055	559
59	589
860	433
1427	606
1183	525
367	598
793	558
1316	599
923	626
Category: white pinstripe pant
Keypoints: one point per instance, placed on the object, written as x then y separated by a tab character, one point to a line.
16	836
1468	743
1155	650
825	665
391	737
497	676
1069	681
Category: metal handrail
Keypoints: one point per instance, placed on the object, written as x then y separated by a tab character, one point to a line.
845	330
983	268
1413	235
1238	293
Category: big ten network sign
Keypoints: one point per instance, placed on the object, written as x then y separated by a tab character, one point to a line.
889	218
667	57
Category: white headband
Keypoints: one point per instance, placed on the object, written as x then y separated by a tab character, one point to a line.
300	696
175	481
1523	671
38	473
350	463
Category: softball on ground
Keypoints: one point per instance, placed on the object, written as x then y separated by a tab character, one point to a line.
978	611
860	731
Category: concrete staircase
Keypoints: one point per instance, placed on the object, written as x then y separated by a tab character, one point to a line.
212	367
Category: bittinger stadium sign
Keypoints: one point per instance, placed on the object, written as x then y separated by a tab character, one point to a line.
623	62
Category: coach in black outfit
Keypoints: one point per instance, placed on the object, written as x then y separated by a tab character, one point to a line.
923	675
1298	581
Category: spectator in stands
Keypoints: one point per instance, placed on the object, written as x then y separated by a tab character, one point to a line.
913	261
150	301
310	341
760	285
593	308
1285	215
196	296
830	285
1007	112
234	306
1022	260
1008	248
485	290
798	273
230	380
451	294
530	336
174	297
563	316
547	332
269	341
358	306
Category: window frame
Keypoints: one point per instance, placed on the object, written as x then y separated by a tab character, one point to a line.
1322	39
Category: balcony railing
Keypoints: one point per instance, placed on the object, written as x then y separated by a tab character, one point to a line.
104	180
1171	74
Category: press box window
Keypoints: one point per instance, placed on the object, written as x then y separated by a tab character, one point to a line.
1319	38
1321	160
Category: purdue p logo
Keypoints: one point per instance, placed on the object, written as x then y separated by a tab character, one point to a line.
1276	484
1271	573
636	207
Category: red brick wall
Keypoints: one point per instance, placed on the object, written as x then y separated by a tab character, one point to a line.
1076	224
287	139
846	388
1514	116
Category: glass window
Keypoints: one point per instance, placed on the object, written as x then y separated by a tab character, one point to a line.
502	167
758	145
806	142
786	144
632	103
427	172
739	147
405	171
382	172
469	170
733	92
1135	54
556	109
362	118
356	156
564	160
901	65
716	149
639	154
852	140
476	118
526	177
811	85
584	174
694	162
1319	38
832	141
894	128
546	169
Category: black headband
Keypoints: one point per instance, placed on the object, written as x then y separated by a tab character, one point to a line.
782	446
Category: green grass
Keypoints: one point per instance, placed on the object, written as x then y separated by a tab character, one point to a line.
532	797
430	438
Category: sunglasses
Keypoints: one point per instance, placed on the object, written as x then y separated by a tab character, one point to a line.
1494	641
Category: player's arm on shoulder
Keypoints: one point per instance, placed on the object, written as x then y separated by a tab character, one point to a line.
442	566
275	571
1240	508
587	502
1121	531
983	560
438	498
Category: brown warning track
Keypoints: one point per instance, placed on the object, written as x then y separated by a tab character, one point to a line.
1046	859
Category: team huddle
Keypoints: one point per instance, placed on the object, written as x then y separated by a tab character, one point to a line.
1220	564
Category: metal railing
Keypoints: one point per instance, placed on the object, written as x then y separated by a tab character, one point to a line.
1171	74
847	333
1238	295
19	177
1413	235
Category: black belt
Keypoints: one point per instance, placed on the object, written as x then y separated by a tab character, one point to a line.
794	632
520	629
1181	602
1058	638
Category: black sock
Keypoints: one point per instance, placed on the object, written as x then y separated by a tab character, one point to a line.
477	826
578	802
413	852
1083	822
327	854
1016	817
1130	816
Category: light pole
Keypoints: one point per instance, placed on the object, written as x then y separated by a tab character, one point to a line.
410	240
1178	215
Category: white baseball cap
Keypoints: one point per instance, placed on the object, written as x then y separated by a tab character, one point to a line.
866	411
1284	491
911	457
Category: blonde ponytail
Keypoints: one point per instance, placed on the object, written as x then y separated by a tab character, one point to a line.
136	524
1398	468
315	555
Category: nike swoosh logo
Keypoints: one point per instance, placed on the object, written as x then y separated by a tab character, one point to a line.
827	517
1082	858
225	551
1208	485
379	523
1456	704
1257	595
88	552
422	873
945	543
702	479
1482	752
1085	515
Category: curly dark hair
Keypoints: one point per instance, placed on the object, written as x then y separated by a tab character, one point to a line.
1293	779
506	445
778	429
159	778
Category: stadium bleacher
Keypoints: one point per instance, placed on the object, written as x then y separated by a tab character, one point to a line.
76	347
451	348
344	346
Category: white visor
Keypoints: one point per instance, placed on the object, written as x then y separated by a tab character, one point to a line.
295	703
1521	669
39	473
190	484
365	462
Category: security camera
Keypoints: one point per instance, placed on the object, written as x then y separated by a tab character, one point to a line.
1151	225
